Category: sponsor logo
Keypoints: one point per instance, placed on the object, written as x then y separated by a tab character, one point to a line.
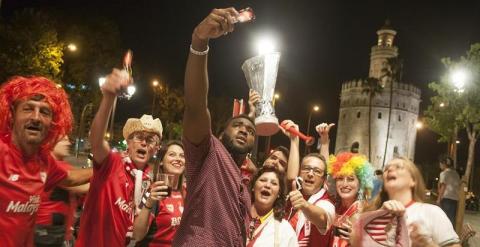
14	177
29	207
124	205
176	221
181	209
169	207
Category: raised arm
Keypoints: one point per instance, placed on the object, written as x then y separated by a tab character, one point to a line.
323	130
114	84
196	118
294	156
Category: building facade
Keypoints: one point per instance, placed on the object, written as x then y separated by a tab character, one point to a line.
353	127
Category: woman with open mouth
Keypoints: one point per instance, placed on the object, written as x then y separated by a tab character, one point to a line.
353	176
403	194
267	227
163	216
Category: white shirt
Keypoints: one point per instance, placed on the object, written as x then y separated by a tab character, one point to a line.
286	235
451	179
433	222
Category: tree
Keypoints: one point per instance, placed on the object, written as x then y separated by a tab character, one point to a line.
458	107
392	74
168	106
29	45
220	111
372	87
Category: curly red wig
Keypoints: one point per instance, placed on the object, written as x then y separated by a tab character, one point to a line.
23	88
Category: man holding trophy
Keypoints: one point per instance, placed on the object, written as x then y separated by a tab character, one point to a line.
217	202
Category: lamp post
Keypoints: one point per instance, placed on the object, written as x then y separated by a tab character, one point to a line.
155	84
81	127
72	47
315	108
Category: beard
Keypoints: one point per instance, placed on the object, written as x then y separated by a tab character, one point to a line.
232	148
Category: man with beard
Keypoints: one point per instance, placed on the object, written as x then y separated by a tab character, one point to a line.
217	202
118	182
34	115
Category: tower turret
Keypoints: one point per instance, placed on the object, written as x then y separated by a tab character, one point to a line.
383	50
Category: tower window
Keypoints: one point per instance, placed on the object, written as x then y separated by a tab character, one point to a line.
379	116
395	151
399	117
344	115
359	114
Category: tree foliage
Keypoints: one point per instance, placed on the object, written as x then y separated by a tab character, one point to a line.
168	106
452	106
29	45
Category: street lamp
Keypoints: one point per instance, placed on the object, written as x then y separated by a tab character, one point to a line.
81	127
459	77
315	108
72	47
419	125
155	85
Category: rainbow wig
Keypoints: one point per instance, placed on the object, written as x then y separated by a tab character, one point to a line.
22	88
347	164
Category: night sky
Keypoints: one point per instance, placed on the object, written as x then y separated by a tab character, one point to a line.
323	43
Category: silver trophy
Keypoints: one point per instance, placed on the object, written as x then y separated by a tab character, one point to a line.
261	74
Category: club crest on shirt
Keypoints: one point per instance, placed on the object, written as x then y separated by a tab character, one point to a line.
14	177
43	176
169	208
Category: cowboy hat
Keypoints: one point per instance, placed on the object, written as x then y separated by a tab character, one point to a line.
145	123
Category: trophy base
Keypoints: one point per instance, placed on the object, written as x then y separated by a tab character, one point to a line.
266	125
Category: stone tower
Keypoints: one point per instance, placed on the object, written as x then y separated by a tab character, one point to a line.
353	127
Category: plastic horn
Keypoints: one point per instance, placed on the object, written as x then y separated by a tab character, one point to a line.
302	136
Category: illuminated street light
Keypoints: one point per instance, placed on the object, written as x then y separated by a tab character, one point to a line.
155	83
72	47
457	142
442	104
419	125
316	108
277	96
459	78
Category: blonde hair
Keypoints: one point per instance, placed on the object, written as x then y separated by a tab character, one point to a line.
418	190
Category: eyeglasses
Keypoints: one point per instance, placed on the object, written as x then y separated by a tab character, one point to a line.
150	139
316	171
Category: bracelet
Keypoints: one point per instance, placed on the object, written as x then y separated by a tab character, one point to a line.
199	53
147	207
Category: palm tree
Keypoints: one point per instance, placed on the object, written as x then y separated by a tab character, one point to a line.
392	74
372	87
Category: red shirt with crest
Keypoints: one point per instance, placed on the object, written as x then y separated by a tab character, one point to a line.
109	208
22	181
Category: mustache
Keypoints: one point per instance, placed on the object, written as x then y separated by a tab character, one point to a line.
34	125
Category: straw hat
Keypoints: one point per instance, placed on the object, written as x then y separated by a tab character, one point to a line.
145	123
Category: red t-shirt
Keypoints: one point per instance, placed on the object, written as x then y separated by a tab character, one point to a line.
22	182
168	219
109	208
64	203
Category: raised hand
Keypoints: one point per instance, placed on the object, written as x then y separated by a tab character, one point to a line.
158	191
394	207
219	22
289	124
323	129
253	98
296	198
116	82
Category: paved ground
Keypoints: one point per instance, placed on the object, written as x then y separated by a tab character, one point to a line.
473	218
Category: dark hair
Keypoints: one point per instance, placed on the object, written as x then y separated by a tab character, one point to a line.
282	149
279	203
320	157
161	154
378	172
245	116
447	160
